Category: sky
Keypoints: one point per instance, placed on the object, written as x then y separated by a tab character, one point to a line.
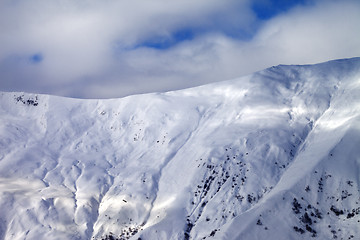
116	48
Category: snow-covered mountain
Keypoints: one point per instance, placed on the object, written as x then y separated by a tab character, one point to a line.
274	155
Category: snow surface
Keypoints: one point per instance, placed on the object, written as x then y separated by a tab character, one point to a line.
273	155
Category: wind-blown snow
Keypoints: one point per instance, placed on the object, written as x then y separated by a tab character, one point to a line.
274	155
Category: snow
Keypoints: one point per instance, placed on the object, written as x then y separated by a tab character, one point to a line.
220	161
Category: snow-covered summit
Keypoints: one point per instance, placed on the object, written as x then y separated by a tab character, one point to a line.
273	155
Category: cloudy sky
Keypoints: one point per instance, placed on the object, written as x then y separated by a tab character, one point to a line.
115	48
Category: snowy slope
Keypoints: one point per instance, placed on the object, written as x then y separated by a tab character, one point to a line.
274	155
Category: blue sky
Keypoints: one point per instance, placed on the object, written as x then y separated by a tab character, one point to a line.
36	58
114	48
263	10
267	9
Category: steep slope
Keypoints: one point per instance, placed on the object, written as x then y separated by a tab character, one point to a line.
273	155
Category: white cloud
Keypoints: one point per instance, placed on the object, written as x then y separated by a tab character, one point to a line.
87	45
325	31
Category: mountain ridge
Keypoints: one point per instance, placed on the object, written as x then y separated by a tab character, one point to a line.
186	164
